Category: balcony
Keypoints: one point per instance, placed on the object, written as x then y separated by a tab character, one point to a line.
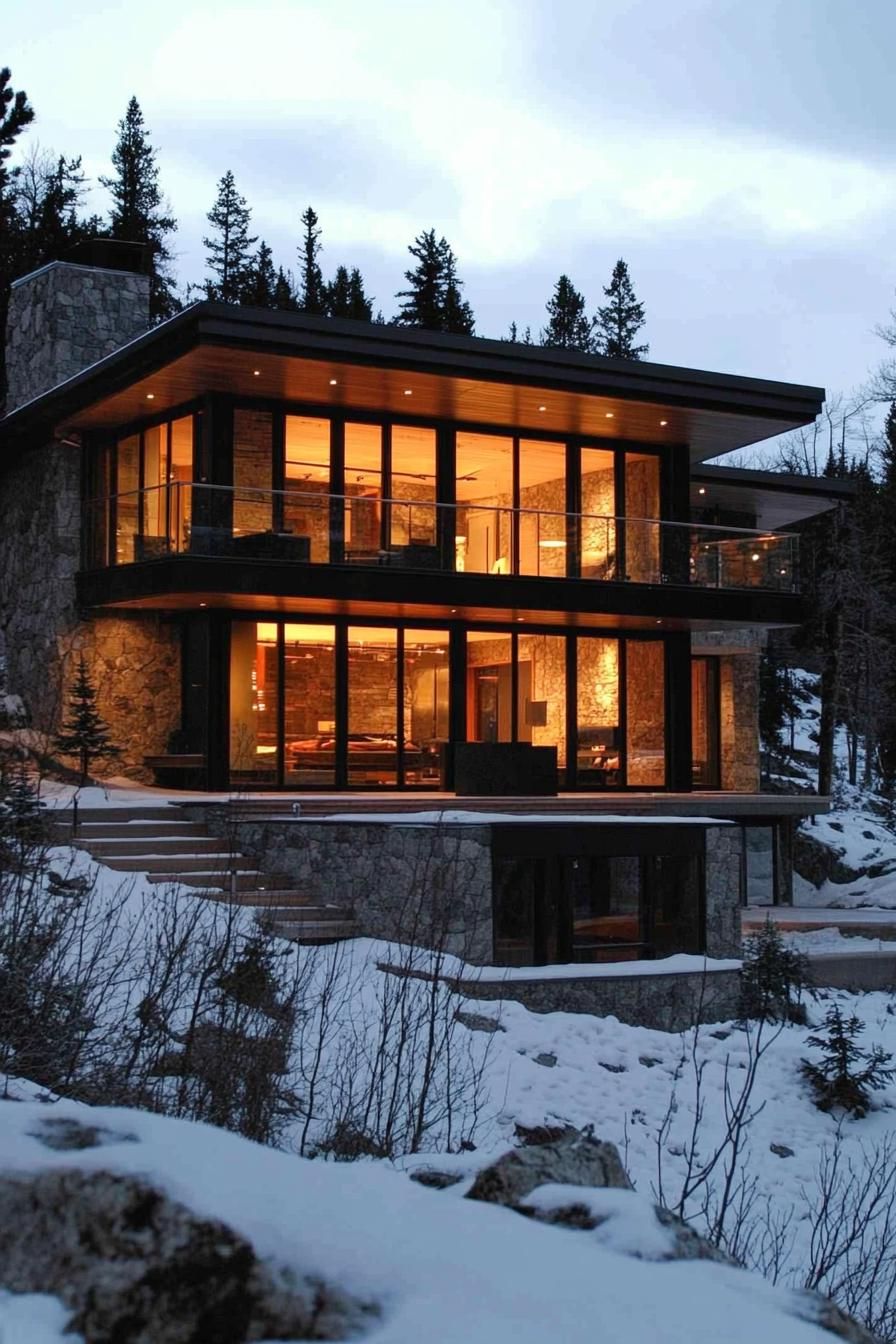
361	530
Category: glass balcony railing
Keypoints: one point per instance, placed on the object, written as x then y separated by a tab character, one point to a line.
184	518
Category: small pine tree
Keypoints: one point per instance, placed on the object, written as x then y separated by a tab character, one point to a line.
424	299
313	297
773	978
85	733
618	322
568	327
847	1074
229	247
338	297
360	306
260	283
285	297
138	211
457	314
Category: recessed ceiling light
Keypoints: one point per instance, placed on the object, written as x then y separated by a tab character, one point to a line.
150	396
520	618
256	373
664	422
542	408
454	611
609	415
658	621
203	604
333	382
702	490
407	392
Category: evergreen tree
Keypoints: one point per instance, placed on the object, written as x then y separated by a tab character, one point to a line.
48	197
458	315
313	298
337	300
285	297
16	114
847	1074
260	283
360	306
568	328
85	733
138	213
229	247
512	335
618	322
433	300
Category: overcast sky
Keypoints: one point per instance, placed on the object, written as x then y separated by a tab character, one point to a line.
740	154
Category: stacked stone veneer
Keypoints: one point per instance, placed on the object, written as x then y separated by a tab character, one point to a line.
738	654
63	318
432	886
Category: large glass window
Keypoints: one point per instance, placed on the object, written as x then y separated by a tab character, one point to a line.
645	712
425	721
372	705
309	704
607	907
484	492
253	466
489	687
306	504
705	722
541	668
254	688
599	745
542	495
412	488
363	492
642	506
598	523
128	502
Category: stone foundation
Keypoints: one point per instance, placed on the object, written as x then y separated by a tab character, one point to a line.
663	1002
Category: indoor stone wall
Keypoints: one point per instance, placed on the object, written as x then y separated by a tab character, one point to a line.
252	471
403	882
63	318
738	653
724	855
660	1002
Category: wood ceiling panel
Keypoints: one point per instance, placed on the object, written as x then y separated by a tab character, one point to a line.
211	368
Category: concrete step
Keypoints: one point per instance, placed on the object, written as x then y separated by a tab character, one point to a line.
162	812
139	830
325	931
215	883
154	844
163	864
264	899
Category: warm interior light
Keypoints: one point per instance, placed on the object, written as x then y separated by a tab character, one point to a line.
755	555
520	618
256	373
333	382
609	415
542	408
702	490
407	392
552	545
150	396
459	537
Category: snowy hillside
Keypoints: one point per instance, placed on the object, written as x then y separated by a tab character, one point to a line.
378	1255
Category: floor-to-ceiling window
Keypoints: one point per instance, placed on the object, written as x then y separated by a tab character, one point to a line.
254	703
309	704
598	510
412	488
645	684
484	492
705	722
598	731
306	480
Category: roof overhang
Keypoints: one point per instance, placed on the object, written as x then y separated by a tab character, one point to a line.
776	499
406	371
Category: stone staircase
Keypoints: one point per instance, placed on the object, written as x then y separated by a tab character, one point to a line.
170	845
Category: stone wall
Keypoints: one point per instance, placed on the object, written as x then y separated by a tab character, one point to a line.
724	856
738	653
423	884
134	658
65	317
661	1002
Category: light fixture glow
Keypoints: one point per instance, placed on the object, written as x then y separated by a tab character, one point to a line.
542	408
333	382
664	422
408	392
609	415
755	555
702	490
256	373
552	545
150	396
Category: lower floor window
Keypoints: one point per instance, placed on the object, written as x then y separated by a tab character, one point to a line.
596	907
344	704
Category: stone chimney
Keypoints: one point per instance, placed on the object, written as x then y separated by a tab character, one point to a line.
69	314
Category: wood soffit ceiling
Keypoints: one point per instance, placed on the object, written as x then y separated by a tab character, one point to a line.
365	388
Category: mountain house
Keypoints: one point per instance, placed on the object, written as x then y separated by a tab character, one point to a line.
322	558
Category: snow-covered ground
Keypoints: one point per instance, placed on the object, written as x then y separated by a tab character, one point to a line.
437	1267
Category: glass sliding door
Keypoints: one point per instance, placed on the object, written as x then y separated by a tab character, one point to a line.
705	723
372	705
483	539
645	701
254	704
412	488
598	733
363	492
542	497
306	481
598	509
424	716
642	508
309	705
490	713
180	476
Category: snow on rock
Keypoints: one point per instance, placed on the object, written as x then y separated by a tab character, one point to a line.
569	1159
410	1263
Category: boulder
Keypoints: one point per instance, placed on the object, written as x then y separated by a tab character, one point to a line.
132	1264
819	863
573	1157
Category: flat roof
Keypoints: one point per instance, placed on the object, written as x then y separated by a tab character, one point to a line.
777	499
409	372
